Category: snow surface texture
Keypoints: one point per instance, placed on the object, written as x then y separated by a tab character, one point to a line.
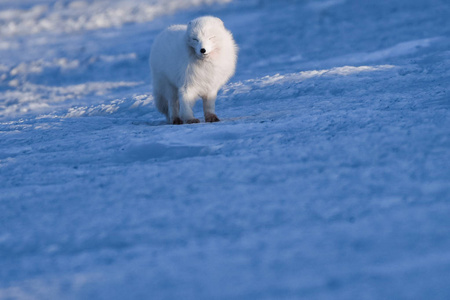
327	178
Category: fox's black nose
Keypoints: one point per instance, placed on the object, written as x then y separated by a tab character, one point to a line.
203	50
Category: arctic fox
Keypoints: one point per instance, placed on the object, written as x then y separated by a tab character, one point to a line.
191	62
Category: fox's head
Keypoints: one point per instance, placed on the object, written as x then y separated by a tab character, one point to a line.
204	35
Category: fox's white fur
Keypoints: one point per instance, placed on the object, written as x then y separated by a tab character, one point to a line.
191	62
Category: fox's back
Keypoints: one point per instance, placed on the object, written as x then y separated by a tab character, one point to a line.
169	53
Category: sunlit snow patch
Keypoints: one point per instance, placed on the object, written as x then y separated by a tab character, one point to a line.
61	63
136	104
242	87
36	98
88	15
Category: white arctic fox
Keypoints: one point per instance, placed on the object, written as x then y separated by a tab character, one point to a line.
191	62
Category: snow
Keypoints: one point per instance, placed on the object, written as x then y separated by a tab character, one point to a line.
328	176
57	16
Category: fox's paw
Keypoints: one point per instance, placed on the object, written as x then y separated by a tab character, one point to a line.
177	121
211	118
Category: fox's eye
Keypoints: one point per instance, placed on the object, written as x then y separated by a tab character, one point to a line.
195	40
212	37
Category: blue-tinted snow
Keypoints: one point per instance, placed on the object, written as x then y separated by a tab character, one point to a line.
328	177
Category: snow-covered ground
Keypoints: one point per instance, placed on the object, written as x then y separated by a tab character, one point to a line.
327	178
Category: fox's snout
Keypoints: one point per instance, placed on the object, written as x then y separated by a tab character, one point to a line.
203	48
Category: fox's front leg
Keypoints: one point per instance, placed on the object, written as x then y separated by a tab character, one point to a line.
209	108
187	101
